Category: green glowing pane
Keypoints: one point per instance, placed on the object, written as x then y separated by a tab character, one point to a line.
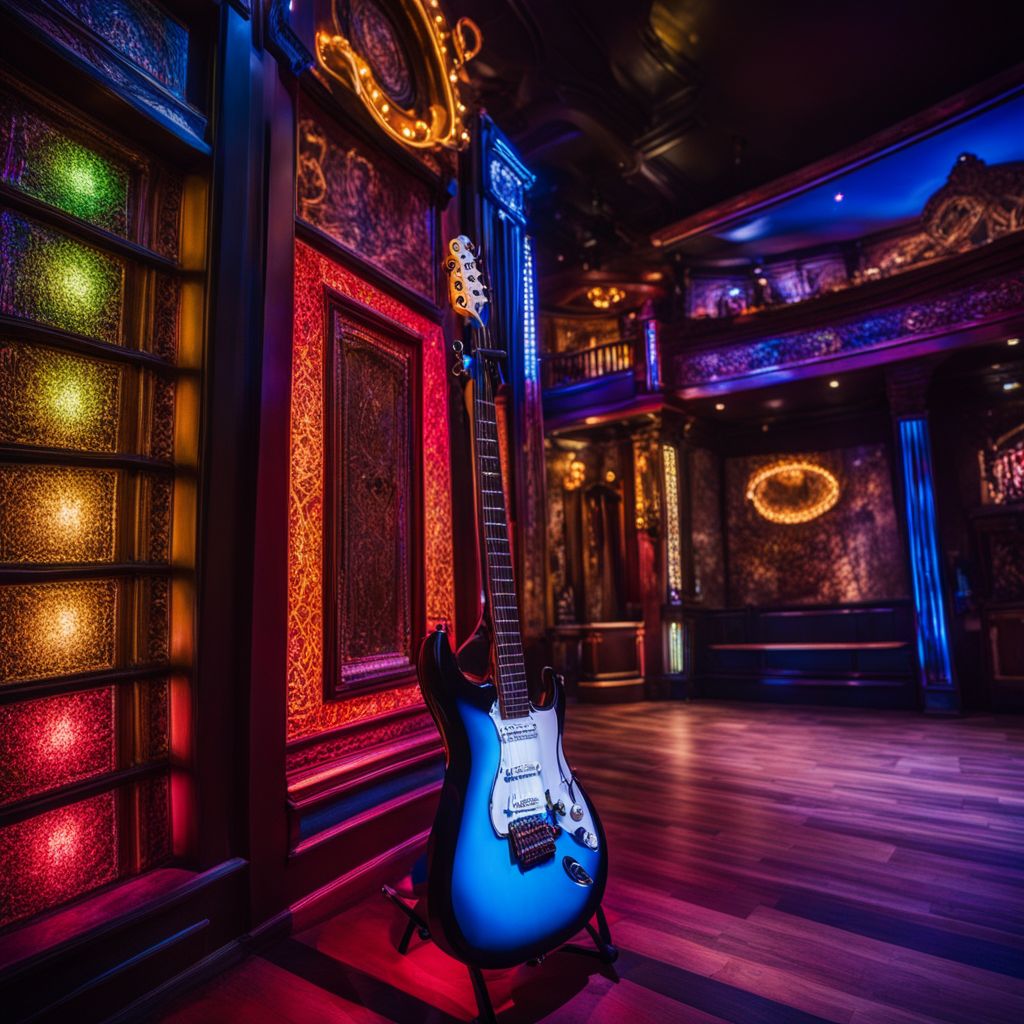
58	400
50	278
60	171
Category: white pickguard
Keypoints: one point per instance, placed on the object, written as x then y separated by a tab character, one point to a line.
533	767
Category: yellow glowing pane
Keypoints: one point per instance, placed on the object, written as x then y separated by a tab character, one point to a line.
57	514
57	400
53	629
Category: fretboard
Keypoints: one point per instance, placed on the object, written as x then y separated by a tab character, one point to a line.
499	580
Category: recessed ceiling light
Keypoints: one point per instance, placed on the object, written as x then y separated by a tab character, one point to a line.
839	197
833	383
1012	341
1011	385
719	406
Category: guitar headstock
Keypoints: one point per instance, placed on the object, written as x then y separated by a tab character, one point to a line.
467	291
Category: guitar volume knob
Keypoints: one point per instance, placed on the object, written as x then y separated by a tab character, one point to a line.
575	812
588	839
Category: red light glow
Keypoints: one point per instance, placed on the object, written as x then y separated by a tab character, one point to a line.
315	277
54	741
57	856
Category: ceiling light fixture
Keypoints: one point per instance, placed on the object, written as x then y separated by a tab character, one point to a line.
1012	342
605	298
719	406
833	383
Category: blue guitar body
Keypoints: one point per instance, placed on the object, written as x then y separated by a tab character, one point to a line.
485	907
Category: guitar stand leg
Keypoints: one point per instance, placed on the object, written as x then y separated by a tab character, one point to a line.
485	1009
415	921
605	951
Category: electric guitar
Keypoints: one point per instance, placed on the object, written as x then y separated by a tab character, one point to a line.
517	855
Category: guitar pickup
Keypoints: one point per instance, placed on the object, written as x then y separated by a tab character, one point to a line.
521	771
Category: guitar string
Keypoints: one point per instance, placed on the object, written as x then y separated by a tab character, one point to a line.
510	679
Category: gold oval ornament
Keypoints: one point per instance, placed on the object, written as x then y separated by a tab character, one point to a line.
792	491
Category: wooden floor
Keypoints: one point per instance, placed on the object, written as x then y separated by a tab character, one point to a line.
768	866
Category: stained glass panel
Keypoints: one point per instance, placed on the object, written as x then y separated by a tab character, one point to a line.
43	162
57	514
56	856
142	32
54	741
48	277
58	400
52	629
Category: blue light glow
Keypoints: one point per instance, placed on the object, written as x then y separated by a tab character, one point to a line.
886	192
929	600
529	312
651	342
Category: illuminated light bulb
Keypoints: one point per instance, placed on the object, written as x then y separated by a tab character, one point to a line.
375	94
1011	385
406	133
63	842
461	107
384	108
438	18
67	623
833	383
69	515
364	72
719	406
1012	342
465	136
839	197
453	77
66	400
62	735
76	284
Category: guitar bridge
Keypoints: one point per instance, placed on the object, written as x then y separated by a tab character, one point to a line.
533	840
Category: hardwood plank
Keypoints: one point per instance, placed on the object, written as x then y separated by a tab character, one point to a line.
768	864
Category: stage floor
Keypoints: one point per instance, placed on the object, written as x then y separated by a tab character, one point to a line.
768	866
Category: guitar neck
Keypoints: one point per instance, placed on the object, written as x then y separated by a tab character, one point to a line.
499	578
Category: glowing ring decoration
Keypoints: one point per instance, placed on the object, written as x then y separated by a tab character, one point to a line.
792	491
441	52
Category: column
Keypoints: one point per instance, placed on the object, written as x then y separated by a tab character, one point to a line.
940	691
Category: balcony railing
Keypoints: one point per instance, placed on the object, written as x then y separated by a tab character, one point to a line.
561	369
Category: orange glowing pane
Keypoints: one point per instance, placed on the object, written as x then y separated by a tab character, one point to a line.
52	629
55	514
58	400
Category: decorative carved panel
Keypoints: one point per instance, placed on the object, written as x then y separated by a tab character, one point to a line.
365	204
369	543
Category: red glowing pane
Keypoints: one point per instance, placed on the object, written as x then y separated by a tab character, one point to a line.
56	856
52	741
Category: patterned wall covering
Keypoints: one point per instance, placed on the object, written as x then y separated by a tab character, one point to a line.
135	46
143	32
308	712
851	553
879	330
365	205
706	513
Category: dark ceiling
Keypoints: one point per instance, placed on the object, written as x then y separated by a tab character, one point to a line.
635	114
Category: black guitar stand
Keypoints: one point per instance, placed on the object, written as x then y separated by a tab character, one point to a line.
602	936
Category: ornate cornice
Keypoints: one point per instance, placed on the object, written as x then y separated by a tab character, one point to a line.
880	329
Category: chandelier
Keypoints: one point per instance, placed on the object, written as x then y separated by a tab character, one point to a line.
792	491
